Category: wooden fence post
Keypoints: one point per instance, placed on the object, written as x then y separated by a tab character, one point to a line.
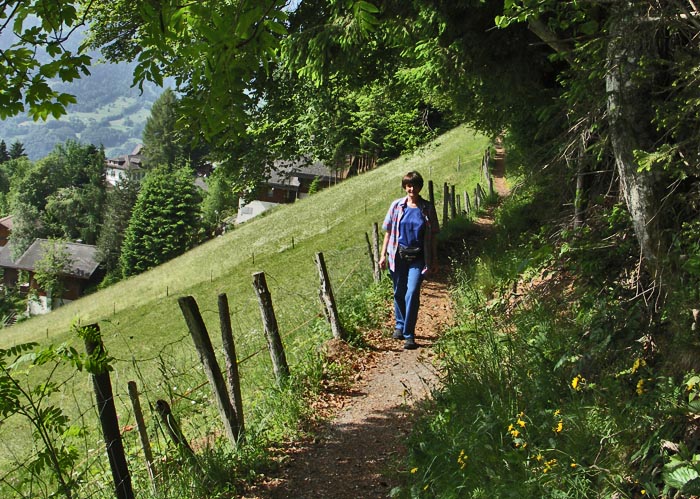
431	192
108	415
143	433
445	203
272	334
174	431
202	343
467	205
234	381
375	250
453	207
375	264
327	298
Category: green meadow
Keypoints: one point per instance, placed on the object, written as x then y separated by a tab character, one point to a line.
143	328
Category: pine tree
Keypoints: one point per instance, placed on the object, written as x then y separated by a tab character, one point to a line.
160	141
17	150
4	155
165	221
118	207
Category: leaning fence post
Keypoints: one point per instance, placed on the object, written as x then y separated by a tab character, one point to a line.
174	431
108	413
272	334
453	207
375	250
327	298
202	343
234	381
375	264
143	433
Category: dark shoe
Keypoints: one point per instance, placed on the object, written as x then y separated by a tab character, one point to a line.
410	344
398	334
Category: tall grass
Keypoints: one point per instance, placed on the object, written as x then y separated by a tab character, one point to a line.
143	328
554	387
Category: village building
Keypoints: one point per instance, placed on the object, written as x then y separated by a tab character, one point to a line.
81	273
287	182
125	166
5	230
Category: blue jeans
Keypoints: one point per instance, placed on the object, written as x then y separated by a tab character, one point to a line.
407	278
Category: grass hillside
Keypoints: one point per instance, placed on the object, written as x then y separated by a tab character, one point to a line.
281	243
143	327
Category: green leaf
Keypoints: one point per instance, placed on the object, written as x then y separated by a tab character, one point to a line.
678	477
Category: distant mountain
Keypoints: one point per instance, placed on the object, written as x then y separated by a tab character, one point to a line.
109	112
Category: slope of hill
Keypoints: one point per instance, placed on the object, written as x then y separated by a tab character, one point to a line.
144	331
282	243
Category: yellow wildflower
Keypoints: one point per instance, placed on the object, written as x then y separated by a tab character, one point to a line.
539	457
559	427
510	427
637	364
414	470
574	465
576	382
640	387
515	433
462	459
557	412
521	423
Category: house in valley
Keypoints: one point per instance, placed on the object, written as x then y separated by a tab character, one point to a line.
125	166
81	272
5	230
287	182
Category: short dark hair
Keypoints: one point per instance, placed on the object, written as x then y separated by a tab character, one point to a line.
412	178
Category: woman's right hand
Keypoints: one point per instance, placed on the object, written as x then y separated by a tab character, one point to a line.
382	262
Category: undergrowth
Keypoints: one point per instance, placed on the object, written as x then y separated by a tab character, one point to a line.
561	380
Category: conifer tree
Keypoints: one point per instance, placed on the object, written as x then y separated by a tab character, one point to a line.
165	221
4	155
160	141
17	150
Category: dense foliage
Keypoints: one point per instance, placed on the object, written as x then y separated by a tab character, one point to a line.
60	196
164	222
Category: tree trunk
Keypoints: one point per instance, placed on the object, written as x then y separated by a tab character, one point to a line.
630	115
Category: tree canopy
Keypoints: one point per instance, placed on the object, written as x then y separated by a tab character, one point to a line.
590	86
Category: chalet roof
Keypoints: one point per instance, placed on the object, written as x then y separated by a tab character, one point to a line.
6	222
83	258
289	173
6	256
133	161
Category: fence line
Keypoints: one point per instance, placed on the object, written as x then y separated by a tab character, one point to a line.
306	304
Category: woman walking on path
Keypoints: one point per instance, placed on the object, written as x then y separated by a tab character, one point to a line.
410	250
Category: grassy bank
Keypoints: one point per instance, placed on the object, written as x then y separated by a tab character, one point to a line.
561	382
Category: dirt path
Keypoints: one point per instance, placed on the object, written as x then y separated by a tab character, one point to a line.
357	453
